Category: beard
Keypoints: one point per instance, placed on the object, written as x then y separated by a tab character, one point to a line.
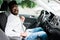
15	12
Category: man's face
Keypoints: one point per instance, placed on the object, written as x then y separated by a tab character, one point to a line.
14	9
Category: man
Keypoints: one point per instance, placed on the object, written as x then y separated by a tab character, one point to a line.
16	29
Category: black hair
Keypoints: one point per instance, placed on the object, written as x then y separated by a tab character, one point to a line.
12	3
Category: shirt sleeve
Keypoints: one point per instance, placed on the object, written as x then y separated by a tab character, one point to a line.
9	30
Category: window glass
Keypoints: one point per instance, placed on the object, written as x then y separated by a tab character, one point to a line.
1	2
18	1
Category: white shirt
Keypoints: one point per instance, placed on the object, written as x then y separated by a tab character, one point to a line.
14	26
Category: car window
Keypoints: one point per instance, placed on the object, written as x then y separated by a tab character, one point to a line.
1	1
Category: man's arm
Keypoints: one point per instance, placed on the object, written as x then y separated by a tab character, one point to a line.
9	31
10	27
22	18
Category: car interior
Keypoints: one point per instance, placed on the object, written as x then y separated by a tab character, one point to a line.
44	18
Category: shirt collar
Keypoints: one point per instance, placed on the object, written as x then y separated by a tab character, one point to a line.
14	15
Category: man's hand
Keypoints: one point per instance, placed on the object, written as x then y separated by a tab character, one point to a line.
23	34
22	18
